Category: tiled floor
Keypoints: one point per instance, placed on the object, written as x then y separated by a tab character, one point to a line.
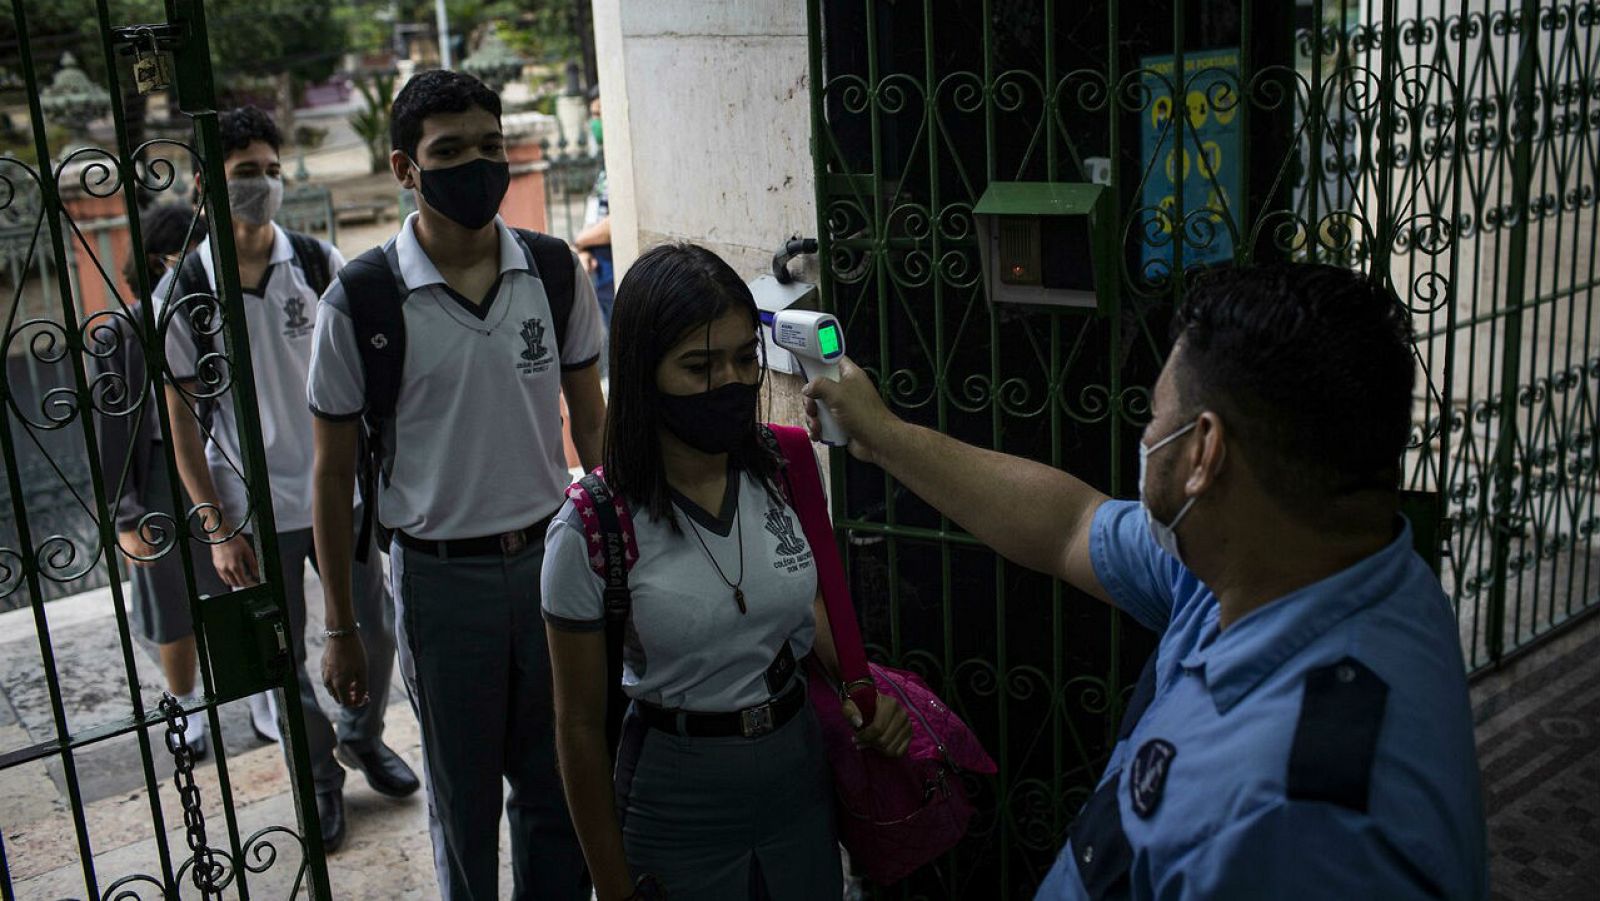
386	857
1539	747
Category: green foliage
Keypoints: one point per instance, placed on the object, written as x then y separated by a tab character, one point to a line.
541	30
372	123
249	38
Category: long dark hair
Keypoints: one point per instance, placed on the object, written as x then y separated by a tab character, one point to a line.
668	292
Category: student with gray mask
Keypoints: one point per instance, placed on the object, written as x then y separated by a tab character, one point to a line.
282	273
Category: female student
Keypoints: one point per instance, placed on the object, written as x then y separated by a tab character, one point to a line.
725	611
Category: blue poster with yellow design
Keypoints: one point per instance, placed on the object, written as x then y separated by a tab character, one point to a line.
1206	167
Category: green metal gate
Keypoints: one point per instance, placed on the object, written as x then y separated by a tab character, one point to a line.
198	846
1448	146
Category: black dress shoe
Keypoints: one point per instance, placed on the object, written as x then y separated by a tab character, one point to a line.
330	816
385	771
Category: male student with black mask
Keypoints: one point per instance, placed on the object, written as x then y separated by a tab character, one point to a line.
440	361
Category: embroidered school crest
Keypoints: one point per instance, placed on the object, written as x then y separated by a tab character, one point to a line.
782	528
295	309
535	355
1147	778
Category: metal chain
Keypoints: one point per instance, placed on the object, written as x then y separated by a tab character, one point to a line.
207	872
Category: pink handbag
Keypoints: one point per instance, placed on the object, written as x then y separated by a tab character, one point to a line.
894	814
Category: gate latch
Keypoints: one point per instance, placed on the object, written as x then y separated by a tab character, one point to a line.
247	640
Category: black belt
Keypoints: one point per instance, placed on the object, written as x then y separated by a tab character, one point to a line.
505	544
750	722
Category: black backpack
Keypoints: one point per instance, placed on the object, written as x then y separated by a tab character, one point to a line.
310	258
372	286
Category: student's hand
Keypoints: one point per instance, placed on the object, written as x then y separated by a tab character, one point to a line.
344	670
857	408
889	733
235	562
134	546
590	264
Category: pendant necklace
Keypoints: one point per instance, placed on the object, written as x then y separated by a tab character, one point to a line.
738	592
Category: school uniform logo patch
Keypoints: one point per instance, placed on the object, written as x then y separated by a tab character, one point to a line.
793	554
535	356
296	324
295	309
782	528
1147	778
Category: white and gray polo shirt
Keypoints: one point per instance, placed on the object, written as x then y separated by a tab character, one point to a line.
279	318
689	646
475	445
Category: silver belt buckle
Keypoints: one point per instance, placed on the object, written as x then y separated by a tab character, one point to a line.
513	543
756	721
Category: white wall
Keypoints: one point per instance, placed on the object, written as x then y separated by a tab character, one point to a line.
712	141
708	133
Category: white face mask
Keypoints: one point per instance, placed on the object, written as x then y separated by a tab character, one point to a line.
1165	534
255	200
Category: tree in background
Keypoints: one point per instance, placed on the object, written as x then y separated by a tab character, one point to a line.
372	123
262	51
546	31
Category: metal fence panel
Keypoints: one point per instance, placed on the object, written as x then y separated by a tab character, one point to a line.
1448	147
56	400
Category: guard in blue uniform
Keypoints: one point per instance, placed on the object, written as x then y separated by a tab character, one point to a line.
1303	730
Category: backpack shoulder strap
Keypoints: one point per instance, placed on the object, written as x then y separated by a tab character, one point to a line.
312	258
191	279
375	304
373	293
551	260
192	276
605	516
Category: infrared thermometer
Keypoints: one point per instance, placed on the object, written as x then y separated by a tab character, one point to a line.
817	342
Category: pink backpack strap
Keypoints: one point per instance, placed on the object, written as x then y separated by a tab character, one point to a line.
613	550
594	530
811	504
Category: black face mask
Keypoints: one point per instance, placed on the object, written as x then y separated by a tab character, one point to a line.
712	422
469	194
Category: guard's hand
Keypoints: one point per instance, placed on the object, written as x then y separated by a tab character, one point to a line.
889	733
134	546
590	264
235	562
856	406
344	670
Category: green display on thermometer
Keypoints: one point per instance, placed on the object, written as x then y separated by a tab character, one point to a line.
828	339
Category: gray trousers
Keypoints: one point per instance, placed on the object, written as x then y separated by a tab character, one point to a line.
357	726
730	819
473	654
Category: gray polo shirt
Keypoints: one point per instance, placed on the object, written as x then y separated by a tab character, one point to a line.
475	446
278	319
689	646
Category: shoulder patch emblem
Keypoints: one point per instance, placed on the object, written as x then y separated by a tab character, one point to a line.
1147	777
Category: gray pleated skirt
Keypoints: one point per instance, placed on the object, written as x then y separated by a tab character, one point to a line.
730	819
157	595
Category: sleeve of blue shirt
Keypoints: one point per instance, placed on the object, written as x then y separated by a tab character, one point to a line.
1306	850
1138	574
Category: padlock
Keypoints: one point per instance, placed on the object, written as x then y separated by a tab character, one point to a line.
152	70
